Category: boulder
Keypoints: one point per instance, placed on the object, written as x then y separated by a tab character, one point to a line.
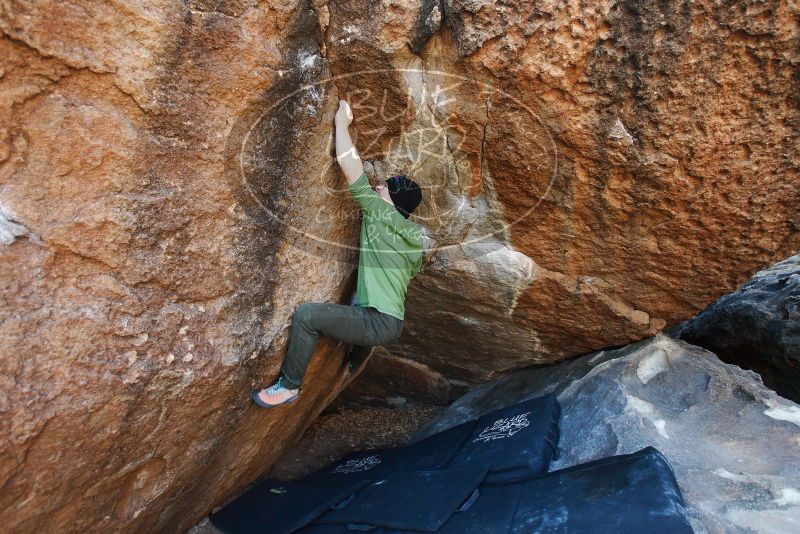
593	172
757	327
158	160
733	443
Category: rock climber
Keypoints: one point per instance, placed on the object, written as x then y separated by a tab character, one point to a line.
390	254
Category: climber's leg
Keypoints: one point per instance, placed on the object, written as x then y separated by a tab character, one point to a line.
351	324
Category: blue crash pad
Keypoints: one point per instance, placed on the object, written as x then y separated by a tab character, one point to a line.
632	493
491	513
279	507
419	501
514	442
433	452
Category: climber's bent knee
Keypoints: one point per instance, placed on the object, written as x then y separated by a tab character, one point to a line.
304	311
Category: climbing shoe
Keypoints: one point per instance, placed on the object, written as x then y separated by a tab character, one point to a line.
275	395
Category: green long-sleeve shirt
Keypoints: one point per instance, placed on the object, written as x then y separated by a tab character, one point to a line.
390	252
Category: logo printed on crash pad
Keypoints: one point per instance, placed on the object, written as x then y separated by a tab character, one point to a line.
356	466
504	428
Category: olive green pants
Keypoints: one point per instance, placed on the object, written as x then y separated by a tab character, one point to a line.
354	325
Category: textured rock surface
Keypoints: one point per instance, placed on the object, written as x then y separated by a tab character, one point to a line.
145	288
757	327
594	170
734	444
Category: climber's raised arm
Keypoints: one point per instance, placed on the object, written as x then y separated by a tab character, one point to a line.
346	153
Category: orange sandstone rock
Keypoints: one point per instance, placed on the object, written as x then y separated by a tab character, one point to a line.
594	171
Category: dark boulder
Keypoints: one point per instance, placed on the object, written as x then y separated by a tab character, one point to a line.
757	327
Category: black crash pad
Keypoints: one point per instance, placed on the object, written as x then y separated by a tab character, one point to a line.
279	507
514	442
631	493
491	513
433	452
419	501
333	529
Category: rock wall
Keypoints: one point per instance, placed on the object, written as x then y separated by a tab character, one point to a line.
607	169
154	188
593	171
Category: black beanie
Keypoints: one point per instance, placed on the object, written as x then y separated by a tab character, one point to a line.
405	194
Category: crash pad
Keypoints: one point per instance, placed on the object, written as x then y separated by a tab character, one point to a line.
314	528
419	501
514	442
622	494
630	493
433	452
491	513
279	507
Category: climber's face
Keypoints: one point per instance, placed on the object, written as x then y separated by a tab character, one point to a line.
383	191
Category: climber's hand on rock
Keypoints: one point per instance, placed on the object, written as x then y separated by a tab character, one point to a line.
346	153
344	115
